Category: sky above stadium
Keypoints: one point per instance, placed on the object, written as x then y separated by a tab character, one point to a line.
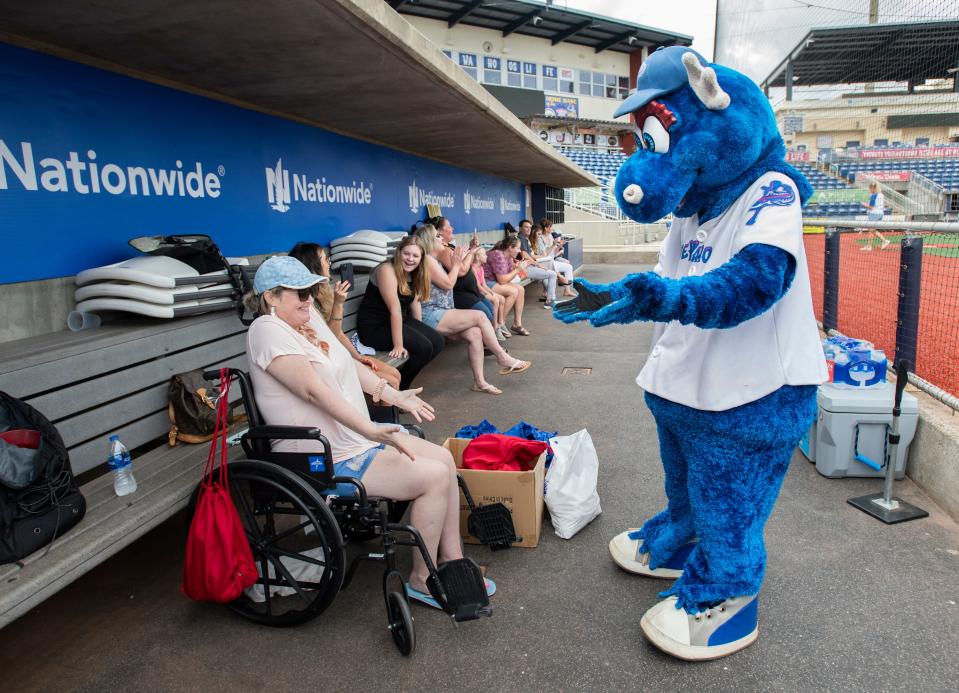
696	18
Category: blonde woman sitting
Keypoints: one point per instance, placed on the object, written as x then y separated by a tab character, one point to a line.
472	326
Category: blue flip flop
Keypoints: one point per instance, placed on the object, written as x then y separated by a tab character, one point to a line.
427	599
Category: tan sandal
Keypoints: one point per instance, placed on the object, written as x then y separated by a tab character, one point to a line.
487	388
519	329
517	367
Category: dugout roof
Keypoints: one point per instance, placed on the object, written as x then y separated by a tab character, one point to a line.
352	66
555	23
912	52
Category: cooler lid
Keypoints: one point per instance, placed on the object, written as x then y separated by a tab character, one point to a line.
867	400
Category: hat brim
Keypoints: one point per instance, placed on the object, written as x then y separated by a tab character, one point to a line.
313	281
638	100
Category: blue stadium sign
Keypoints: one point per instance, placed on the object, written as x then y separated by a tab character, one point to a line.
90	159
514	66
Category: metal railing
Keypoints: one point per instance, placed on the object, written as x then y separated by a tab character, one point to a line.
601	202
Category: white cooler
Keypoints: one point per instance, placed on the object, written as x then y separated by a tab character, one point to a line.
867	411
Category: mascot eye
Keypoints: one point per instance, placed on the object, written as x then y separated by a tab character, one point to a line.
655	137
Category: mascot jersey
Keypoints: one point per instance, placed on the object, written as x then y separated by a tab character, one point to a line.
735	358
718	369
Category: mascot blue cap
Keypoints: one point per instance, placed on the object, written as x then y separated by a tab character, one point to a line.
661	73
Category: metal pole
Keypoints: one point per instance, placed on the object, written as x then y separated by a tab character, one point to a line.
910	282
830	284
902	378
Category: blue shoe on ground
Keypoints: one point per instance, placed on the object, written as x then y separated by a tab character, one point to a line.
719	631
625	552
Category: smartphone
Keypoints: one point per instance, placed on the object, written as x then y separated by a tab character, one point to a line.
346	273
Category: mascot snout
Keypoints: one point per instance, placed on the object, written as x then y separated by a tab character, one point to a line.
633	194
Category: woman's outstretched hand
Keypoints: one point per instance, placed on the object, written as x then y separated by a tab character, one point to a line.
409	401
398	353
394	436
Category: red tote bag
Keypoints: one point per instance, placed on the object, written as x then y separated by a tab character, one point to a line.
219	563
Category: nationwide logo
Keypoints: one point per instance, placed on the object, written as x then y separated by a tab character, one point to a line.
419	198
281	194
507	205
86	175
471	202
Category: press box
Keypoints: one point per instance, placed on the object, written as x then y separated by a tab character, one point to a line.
521	492
868	411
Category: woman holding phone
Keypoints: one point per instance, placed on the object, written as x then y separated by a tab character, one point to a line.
471	326
329	301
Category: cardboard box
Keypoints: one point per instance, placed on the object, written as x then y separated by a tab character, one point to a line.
521	492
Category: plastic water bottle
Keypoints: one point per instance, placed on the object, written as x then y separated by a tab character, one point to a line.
122	465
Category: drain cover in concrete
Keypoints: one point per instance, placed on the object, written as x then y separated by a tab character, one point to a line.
571	370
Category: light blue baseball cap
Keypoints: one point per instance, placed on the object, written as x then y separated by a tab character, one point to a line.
284	271
660	73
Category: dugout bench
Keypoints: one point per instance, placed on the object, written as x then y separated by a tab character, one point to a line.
114	379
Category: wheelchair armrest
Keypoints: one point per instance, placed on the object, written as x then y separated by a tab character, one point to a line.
285	433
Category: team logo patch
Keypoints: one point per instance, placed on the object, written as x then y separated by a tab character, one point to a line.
776	194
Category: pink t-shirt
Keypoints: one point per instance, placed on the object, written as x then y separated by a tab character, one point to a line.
480	275
270	337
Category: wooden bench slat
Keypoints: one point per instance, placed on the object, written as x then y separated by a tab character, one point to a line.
94	452
49	375
64	402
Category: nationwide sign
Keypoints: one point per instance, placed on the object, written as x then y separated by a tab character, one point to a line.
311	189
83	174
90	159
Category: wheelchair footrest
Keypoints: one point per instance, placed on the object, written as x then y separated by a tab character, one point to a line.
492	525
461	590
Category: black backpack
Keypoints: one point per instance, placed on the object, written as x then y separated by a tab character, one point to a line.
49	502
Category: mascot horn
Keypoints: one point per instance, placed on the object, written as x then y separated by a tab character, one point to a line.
735	356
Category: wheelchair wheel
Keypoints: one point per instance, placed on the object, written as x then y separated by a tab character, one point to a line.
296	544
401	622
399	618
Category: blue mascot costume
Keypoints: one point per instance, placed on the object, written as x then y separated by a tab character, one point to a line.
735	356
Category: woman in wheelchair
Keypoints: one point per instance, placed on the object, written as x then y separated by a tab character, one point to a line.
303	376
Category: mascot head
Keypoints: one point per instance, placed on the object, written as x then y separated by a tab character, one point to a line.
704	133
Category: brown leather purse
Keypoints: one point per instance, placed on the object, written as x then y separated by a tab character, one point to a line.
192	408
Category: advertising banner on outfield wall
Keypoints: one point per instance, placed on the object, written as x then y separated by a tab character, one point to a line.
90	159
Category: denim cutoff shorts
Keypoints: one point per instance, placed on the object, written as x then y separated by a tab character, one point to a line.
353	467
432	315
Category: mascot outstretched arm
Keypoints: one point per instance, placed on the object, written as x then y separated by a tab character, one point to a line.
735	356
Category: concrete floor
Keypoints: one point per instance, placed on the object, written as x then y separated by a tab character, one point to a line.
849	603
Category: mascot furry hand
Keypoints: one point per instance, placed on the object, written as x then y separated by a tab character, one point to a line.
735	357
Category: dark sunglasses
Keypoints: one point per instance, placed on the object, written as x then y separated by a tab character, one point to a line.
302	294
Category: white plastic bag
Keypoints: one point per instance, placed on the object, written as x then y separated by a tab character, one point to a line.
571	483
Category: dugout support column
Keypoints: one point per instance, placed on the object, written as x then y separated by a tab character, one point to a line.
907	315
830	283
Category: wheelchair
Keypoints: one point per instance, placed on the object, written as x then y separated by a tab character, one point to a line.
299	532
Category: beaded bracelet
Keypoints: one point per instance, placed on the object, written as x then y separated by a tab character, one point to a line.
378	390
